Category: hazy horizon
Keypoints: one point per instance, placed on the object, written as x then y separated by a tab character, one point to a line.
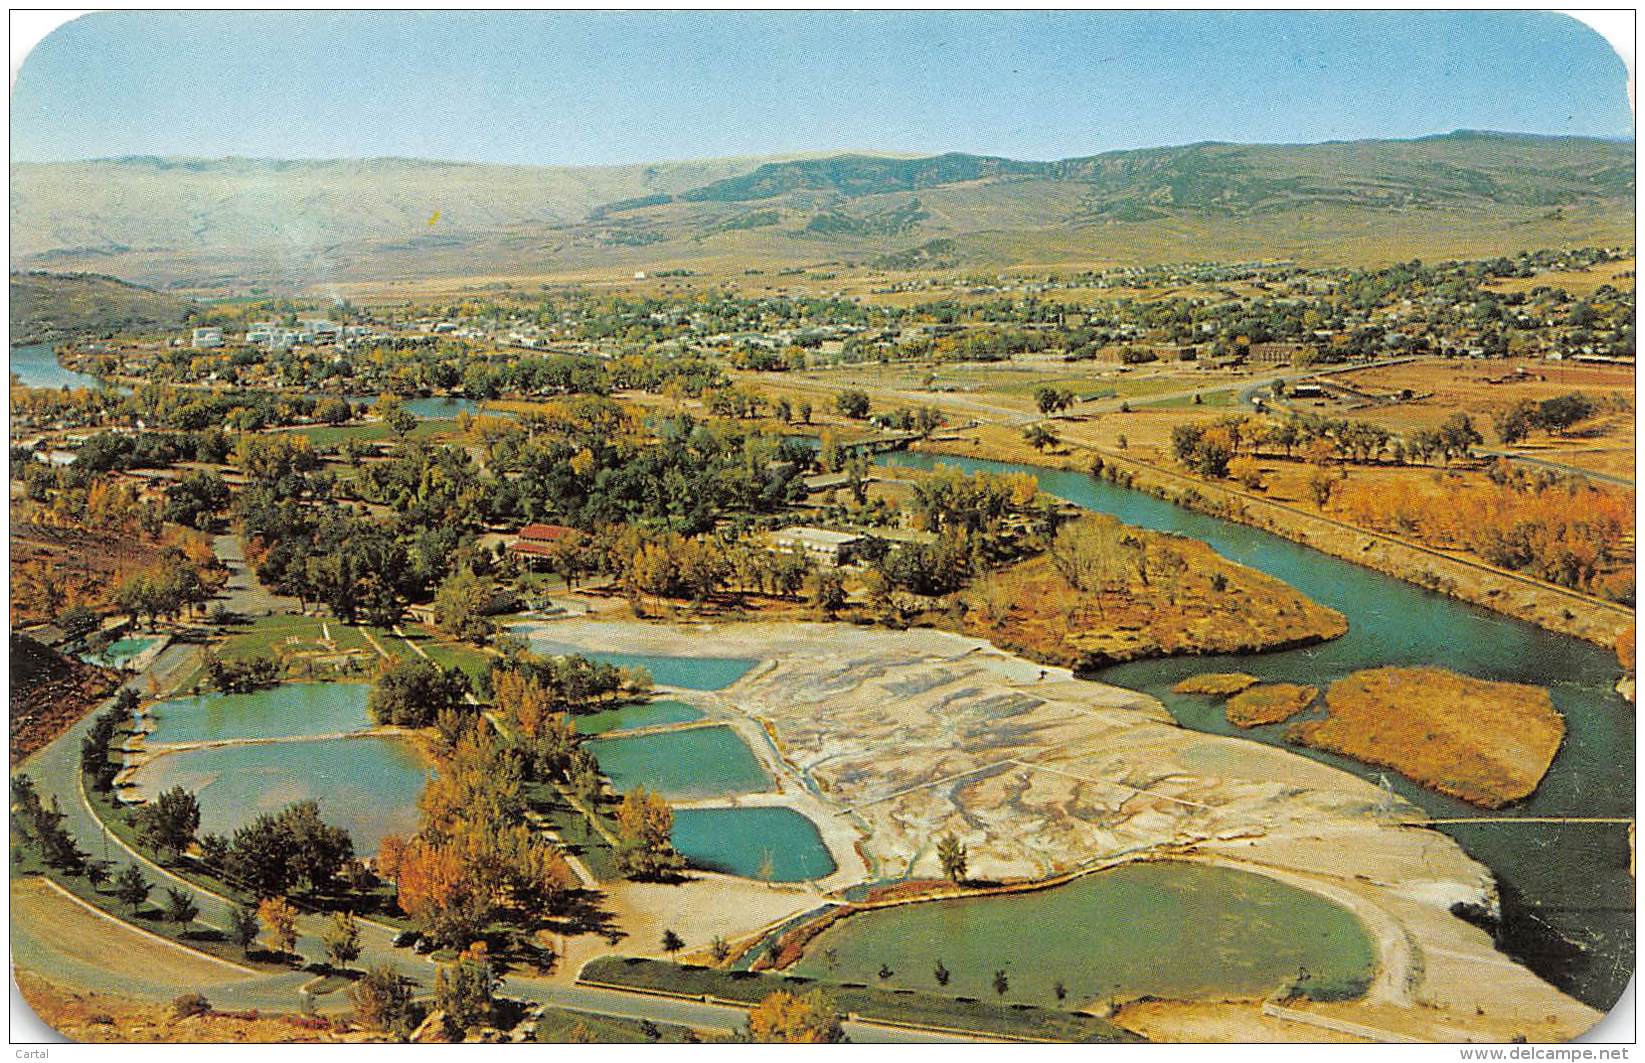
598	89
837	153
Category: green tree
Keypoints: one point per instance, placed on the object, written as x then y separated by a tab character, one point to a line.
466	992
243	926
97	873
400	420
196	499
318	850
672	942
411	692
1040	437
1458	436
333	410
1051	399
462	605
168	822
342	939
1002	984
952	855
828	591
853	403
382	1001
181	906
131	888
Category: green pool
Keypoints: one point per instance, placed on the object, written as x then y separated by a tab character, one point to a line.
697	763
1174	930
369	786
630	717
778	844
289	710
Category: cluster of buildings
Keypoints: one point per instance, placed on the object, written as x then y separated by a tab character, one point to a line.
278	337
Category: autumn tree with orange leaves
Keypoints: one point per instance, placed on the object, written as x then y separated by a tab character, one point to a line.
783	1018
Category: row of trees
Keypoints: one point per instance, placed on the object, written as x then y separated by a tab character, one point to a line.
1209	448
1567	531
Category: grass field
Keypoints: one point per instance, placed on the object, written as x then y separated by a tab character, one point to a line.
1484	742
574	832
958	1013
1580	283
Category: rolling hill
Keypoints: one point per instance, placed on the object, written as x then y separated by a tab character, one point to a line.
47	307
200	223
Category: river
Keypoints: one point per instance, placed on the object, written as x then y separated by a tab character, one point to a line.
37	367
1568	896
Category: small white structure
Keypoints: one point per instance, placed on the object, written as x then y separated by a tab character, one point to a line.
321	329
829	547
207	337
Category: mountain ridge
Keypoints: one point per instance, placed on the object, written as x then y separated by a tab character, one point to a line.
172	220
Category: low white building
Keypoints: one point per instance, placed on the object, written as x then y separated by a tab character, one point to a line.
207	337
827	546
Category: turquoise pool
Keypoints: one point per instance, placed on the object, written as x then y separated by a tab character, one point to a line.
118	652
698	763
775	843
687	673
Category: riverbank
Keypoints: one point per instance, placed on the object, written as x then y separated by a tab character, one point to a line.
911	734
1550	607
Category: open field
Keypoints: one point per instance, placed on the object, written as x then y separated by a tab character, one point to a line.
1481	388
1579	283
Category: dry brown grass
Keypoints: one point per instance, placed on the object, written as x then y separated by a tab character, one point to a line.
1483	742
1479	389
1212	605
1269	703
88	1017
1216	684
1580	283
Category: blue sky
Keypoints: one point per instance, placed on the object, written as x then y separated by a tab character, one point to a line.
617	87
